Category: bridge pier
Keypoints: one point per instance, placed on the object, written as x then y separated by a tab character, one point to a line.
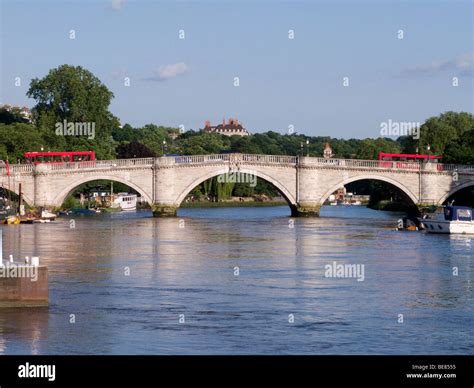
162	210
306	210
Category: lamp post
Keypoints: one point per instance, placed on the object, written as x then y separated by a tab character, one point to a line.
307	147
301	148
163	148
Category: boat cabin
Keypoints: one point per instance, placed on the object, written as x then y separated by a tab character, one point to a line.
458	213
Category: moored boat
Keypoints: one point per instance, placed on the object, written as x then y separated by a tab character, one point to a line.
450	220
125	201
12	220
46	215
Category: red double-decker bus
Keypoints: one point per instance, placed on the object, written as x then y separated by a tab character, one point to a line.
409	157
407	161
59	157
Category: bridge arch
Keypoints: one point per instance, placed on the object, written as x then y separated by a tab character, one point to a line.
60	198
225	170
454	191
382	178
26	199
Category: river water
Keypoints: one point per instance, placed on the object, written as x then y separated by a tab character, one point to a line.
242	281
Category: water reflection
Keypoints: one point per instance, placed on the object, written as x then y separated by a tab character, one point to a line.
128	277
29	327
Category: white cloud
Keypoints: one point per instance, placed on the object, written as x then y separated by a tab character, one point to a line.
172	70
462	65
117	4
465	62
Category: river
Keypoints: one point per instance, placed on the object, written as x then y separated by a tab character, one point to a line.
242	281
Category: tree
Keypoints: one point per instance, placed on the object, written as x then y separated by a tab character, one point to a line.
125	133
439	132
461	150
134	150
17	138
74	94
205	143
371	148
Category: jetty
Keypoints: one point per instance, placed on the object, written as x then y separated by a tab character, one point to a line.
22	284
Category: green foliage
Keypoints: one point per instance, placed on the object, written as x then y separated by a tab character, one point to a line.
74	94
125	134
134	150
225	190
448	135
461	150
17	138
71	202
204	143
370	148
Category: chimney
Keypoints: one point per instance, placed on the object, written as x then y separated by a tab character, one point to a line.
207	124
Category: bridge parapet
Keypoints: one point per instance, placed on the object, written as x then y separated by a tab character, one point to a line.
100	164
183	160
226	158
16	169
466	169
384	165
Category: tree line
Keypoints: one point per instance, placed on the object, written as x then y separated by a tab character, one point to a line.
73	94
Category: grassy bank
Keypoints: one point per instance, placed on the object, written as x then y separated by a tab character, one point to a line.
194	205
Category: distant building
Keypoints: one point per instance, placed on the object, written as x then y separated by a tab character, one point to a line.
24	111
340	194
328	151
173	135
231	128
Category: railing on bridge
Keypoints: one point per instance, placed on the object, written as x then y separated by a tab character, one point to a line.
210	159
183	160
456	167
101	164
387	165
15	169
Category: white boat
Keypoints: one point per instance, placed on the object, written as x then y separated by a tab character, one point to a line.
47	215
125	201
450	220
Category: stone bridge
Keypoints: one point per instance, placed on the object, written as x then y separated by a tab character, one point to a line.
305	182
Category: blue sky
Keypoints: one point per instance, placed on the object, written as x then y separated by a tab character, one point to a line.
283	82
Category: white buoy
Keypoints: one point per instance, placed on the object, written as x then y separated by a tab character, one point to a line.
35	261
